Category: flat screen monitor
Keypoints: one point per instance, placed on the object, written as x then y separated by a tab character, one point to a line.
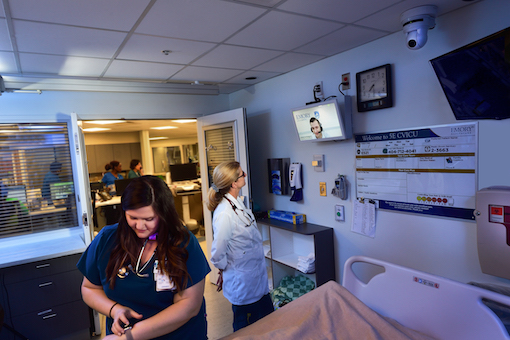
121	185
320	122
17	192
476	78
61	190
183	172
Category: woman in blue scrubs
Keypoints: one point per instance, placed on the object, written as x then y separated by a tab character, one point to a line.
147	273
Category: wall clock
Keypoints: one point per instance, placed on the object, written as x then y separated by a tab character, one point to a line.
374	88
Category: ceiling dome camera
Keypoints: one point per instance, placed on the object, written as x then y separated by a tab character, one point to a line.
416	22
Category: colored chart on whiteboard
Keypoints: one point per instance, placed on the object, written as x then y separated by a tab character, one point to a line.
426	170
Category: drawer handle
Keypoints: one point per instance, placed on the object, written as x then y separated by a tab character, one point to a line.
49	316
45	284
45	312
42	266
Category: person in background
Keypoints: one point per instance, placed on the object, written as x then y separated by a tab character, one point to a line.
317	129
148	271
237	248
110	177
136	169
52	176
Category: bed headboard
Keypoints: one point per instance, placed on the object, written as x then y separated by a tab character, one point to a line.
434	305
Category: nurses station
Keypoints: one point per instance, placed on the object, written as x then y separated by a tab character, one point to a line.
372	137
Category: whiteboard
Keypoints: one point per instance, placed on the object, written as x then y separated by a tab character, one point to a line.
423	170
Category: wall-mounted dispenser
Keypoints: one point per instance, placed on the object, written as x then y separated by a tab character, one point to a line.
278	174
340	189
493	230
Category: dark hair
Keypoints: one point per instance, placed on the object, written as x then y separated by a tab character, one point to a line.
55	166
111	165
134	163
173	237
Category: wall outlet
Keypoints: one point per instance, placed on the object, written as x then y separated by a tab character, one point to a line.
346	81
319	90
322	186
339	213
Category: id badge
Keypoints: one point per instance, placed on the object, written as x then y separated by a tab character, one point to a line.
163	282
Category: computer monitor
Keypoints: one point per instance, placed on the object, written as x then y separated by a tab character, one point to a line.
183	172
121	185
61	190
17	192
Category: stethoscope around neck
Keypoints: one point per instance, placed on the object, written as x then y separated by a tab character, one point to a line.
123	272
249	218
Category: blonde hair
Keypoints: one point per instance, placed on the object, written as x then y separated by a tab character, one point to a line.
224	175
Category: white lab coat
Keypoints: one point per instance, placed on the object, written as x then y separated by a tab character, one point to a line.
237	250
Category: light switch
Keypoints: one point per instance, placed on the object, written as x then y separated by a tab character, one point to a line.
318	163
322	186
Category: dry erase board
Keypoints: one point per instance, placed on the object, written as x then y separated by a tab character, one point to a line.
424	170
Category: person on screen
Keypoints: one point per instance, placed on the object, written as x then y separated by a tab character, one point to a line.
316	128
51	177
136	169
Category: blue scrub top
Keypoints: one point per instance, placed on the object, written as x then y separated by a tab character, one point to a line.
109	178
139	293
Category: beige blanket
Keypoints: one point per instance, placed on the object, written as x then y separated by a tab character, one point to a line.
328	312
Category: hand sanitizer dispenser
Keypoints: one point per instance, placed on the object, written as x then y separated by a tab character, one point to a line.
493	230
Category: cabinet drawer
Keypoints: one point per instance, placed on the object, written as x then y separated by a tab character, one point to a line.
43	293
54	322
40	269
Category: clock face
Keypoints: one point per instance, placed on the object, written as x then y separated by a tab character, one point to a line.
373	84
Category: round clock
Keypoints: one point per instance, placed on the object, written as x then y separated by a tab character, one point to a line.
374	88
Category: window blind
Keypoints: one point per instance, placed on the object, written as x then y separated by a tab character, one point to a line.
36	179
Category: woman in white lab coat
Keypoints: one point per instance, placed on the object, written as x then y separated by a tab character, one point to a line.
237	248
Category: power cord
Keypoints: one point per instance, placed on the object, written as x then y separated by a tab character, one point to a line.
339	87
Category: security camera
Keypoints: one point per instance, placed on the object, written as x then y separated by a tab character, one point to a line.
416	22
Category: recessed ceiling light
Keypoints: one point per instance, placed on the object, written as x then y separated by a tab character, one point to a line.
157	138
96	129
164	127
105	122
183	121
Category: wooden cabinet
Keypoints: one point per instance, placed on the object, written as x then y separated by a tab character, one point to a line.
284	242
42	300
99	155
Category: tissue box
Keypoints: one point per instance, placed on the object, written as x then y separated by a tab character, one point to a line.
287	216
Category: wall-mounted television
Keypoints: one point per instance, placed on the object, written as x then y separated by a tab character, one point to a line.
322	121
476	78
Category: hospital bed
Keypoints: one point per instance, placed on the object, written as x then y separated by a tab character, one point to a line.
396	303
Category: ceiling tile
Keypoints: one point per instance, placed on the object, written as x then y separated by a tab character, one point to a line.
5	40
282	31
206	74
7	63
346	11
204	20
261	76
111	14
236	57
230	88
62	65
342	40
141	70
147	48
288	62
66	40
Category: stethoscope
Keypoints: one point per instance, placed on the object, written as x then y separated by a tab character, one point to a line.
235	208
123	272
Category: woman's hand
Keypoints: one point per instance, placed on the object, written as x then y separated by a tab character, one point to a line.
121	316
219	283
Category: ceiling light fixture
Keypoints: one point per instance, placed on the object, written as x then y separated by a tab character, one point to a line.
184	121
196	82
157	138
105	122
96	129
164	127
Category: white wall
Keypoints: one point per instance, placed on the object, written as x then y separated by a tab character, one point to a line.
441	246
